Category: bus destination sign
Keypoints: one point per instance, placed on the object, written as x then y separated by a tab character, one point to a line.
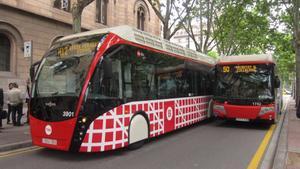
240	69
76	49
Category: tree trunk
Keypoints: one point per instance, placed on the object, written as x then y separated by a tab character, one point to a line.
296	24
166	32
77	9
297	87
76	14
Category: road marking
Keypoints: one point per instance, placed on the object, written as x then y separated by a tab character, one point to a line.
19	151
261	149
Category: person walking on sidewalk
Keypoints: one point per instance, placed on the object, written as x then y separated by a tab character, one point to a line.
1	106
16	103
10	86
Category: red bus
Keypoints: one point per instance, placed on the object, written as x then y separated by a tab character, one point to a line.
246	88
111	88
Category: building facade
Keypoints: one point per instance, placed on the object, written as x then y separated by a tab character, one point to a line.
41	22
182	38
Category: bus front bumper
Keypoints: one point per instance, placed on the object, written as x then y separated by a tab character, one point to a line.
54	135
265	112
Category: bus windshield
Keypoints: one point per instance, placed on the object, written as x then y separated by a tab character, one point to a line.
65	66
252	82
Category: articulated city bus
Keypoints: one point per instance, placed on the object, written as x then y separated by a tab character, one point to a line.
111	88
246	88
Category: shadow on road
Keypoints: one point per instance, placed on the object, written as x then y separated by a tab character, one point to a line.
74	156
252	125
108	155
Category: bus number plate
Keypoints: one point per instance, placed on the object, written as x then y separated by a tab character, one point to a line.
49	141
240	119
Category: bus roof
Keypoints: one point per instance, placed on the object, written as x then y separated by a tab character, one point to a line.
244	59
146	39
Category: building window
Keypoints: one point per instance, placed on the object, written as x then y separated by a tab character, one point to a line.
101	11
141	18
62	4
5	48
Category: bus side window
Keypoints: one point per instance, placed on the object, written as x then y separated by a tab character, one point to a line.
127	81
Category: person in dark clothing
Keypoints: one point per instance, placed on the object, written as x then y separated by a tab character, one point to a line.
1	105
10	86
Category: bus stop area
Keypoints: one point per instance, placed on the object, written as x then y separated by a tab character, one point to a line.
285	156
14	137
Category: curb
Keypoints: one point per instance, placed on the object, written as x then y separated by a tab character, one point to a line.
268	159
13	146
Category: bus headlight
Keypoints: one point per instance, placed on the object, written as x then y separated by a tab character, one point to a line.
219	108
265	110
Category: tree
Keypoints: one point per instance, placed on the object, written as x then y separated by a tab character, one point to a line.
243	28
200	24
165	9
77	9
295	13
285	55
292	21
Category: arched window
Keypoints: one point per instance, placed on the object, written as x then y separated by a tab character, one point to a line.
101	11
62	4
141	18
5	48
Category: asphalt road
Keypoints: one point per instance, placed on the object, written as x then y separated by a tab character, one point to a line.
206	145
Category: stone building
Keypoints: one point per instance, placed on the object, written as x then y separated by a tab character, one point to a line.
182	38
44	21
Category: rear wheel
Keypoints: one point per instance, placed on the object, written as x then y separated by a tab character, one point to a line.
210	113
138	131
136	145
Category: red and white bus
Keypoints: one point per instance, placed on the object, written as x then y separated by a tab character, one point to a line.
246	88
106	89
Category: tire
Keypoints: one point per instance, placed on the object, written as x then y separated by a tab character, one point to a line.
136	145
210	114
138	131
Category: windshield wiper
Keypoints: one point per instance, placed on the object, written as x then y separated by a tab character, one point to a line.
54	93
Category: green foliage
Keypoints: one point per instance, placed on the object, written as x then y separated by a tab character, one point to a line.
252	27
213	54
243	28
284	54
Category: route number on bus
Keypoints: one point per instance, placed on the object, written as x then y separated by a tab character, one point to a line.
226	69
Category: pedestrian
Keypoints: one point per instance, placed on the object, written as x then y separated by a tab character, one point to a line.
28	96
16	103
1	106
10	86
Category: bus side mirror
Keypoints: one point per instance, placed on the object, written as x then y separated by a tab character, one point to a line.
212	74
107	68
32	70
277	82
31	73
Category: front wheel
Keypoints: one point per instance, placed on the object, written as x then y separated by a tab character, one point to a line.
138	131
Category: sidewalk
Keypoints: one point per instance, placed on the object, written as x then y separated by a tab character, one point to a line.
13	137
288	150
293	139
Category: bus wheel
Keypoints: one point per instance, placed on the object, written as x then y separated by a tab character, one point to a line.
138	131
210	112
